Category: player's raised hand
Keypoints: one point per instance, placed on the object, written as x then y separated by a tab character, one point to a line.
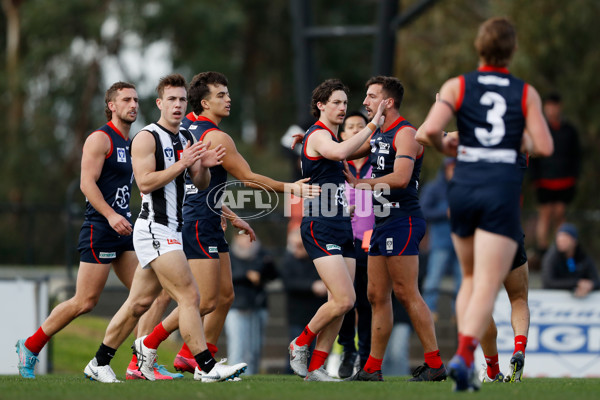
213	157
192	153
297	138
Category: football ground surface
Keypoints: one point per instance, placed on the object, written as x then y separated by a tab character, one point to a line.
77	344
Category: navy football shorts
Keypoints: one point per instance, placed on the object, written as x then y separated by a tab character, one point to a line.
493	207
321	240
99	243
399	236
204	239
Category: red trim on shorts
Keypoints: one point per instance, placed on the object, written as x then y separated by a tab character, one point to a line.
92	244
200	244
409	235
461	93
313	236
524	100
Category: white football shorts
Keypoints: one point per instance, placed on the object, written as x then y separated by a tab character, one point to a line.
151	240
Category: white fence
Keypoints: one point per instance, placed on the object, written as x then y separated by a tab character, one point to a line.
24	306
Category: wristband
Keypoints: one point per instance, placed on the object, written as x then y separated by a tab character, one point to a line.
374	126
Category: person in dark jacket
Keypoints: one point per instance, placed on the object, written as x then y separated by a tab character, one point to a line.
251	268
567	266
555	177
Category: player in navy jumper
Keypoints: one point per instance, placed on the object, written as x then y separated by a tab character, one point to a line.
492	108
326	228
105	239
393	262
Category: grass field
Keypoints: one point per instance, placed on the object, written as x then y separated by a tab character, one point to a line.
75	346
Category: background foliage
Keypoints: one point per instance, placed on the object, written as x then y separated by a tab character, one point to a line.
58	58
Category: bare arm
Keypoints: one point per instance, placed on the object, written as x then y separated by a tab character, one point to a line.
431	132
406	145
237	166
320	143
95	150
144	163
541	140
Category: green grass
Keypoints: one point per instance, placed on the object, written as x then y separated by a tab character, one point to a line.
261	387
76	345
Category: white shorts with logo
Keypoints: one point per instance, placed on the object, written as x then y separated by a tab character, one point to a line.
152	240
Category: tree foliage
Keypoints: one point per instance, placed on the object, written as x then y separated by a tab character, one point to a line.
54	75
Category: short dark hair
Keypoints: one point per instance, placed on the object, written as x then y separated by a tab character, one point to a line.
173	80
111	93
496	41
199	89
391	86
323	92
350	115
553	97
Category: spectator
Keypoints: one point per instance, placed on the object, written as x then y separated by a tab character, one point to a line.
555	177
567	266
442	258
305	291
251	268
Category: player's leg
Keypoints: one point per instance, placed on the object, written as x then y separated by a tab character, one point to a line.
215	320
144	289
207	273
517	287
91	279
339	279
379	292
404	272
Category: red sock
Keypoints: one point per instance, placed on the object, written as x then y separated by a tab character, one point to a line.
36	342
185	352
212	348
133	360
493	366
317	360
306	337
433	359
520	343
466	348
373	364
158	335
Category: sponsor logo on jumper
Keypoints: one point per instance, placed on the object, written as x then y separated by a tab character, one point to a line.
169	153
121	155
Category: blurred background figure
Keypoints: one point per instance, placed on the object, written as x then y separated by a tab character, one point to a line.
252	268
567	266
442	258
555	177
305	291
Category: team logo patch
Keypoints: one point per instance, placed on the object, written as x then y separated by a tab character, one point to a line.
106	254
213	249
389	244
384	148
169	153
173	241
121	155
156	244
332	247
